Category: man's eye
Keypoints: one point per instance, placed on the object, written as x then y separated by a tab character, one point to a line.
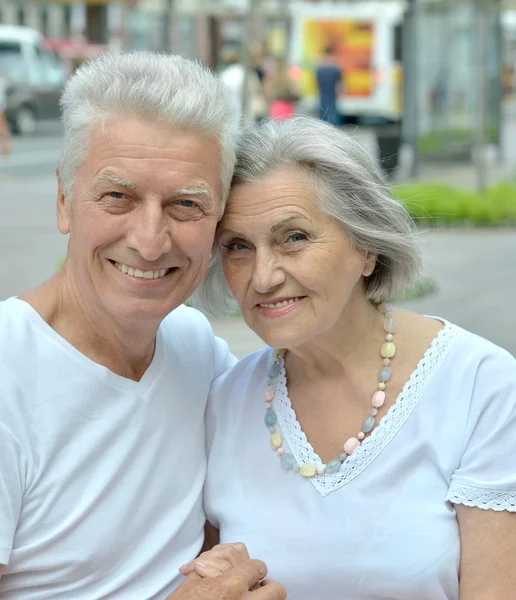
116	195
187	203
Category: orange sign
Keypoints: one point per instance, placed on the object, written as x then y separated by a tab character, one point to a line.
352	45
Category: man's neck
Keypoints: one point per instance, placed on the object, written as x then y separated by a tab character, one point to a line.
123	348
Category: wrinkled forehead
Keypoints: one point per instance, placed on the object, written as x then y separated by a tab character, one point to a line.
286	196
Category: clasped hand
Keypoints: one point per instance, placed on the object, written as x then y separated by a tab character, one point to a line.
227	573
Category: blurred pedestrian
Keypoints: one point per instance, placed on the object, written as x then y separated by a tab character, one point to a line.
5	135
329	82
282	92
253	103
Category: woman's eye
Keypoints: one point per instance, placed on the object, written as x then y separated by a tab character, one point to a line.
235	247
296	236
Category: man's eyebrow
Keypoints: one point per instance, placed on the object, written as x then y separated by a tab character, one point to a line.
198	190
110	177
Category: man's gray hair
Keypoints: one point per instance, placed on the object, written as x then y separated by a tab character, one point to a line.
151	86
350	188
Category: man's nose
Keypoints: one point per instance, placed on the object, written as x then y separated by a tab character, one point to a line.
152	232
267	273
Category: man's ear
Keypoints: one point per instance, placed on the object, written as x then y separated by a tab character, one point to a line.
62	208
369	263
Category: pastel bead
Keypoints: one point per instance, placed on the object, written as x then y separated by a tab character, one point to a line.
374	412
385	374
269	393
320	471
270	418
274	370
378	399
389	337
385	307
361	436
287	461
386	362
280	451
368	424
333	466
351	445
343	457
268	405
388	350
275	441
389	325
308	470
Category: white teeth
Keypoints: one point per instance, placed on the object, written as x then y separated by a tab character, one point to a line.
141	274
279	304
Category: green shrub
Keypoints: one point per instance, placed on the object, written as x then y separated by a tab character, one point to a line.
442	204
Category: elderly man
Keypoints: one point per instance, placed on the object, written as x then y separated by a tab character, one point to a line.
104	375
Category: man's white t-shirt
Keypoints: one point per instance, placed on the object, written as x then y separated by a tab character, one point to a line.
384	527
100	476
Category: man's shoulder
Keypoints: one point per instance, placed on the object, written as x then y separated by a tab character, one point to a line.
14	324
186	326
18	359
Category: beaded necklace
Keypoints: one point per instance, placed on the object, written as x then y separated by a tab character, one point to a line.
288	461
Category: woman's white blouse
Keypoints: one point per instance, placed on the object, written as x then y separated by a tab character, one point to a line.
384	527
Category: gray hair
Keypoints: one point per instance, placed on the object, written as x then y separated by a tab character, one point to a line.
350	188
152	86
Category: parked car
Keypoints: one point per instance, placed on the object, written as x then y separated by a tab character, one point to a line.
34	75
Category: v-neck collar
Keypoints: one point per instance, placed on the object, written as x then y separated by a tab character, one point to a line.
295	438
117	381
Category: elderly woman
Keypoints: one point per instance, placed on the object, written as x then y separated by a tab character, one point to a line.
367	452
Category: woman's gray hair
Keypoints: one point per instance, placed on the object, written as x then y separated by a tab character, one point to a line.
152	86
350	188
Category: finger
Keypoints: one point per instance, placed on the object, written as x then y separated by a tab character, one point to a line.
222	556
207	570
221	565
188	568
249	572
269	590
235	553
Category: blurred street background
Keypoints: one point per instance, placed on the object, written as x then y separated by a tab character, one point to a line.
427	86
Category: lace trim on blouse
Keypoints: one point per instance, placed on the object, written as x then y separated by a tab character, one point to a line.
389	425
470	495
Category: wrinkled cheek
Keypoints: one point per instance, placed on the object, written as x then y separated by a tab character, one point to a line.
235	280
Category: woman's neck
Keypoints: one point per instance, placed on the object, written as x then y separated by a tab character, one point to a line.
355	338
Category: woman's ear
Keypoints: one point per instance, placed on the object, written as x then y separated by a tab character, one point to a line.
369	263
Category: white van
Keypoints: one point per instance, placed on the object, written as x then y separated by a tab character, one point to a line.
34	77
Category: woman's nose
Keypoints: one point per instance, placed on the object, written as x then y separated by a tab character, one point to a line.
267	273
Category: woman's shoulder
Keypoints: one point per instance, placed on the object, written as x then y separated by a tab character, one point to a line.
456	348
475	352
